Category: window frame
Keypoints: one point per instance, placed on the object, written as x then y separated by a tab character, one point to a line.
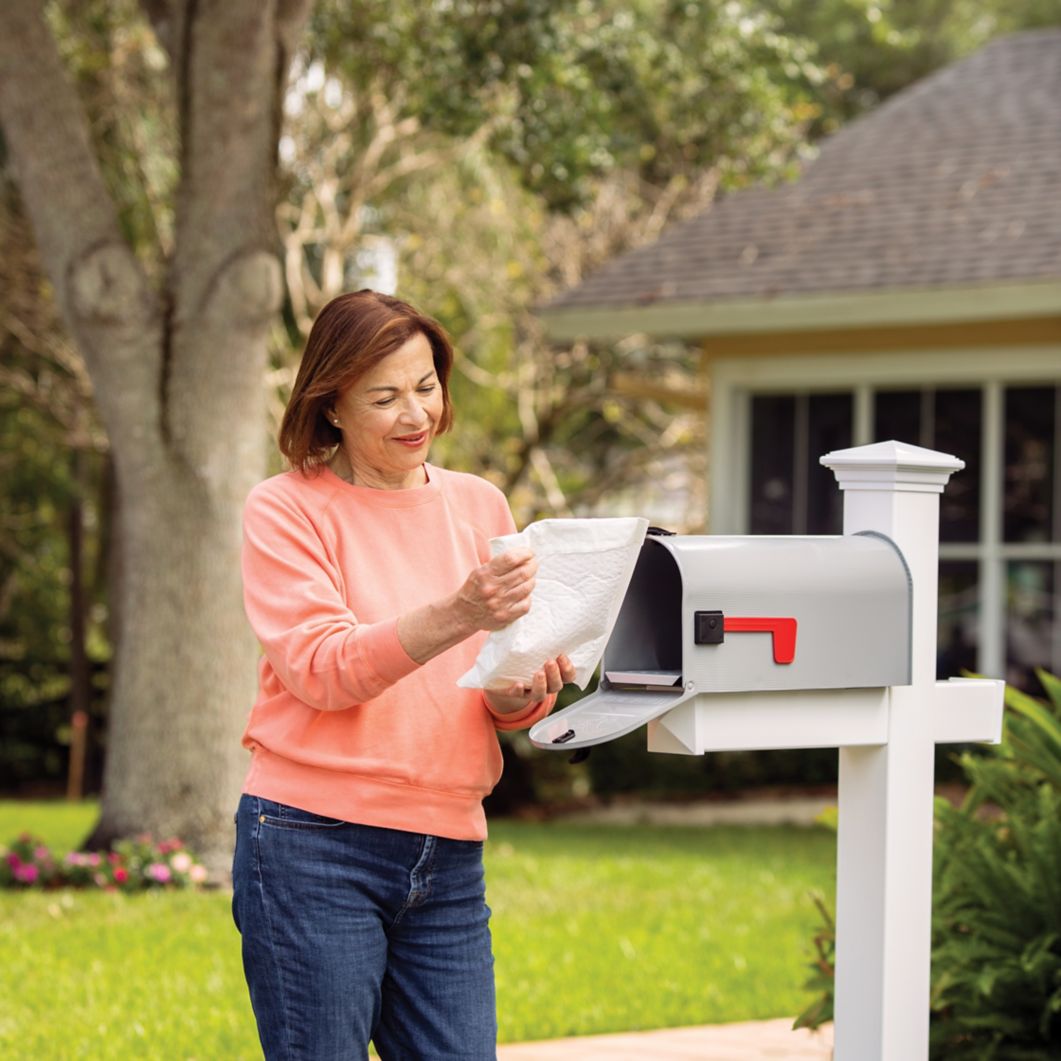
734	380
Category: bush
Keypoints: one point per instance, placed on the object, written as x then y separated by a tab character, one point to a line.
997	920
996	932
131	866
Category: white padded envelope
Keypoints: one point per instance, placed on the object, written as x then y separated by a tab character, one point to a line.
584	568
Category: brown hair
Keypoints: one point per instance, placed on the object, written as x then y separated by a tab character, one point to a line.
351	335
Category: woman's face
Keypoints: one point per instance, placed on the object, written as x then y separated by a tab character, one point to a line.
389	417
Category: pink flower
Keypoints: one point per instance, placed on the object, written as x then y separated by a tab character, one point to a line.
26	872
100	879
114	858
181	862
14	861
93	859
41	852
197	873
158	872
121	875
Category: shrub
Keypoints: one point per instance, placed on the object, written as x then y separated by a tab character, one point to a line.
132	865
997	921
996	933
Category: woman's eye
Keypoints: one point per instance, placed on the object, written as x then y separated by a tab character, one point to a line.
428	389
384	402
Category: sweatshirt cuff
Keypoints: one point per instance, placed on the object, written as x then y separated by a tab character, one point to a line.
523	718
381	649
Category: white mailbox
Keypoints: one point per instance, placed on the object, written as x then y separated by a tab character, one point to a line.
742	643
706	615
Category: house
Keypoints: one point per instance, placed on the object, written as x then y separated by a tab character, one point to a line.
907	285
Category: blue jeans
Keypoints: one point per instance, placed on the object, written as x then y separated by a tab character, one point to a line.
352	933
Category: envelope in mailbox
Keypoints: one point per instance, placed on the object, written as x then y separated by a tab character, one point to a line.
584	568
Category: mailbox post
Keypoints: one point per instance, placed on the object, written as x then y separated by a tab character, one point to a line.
885	727
884	845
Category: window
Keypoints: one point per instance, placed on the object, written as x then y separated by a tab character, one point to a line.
1000	518
791	493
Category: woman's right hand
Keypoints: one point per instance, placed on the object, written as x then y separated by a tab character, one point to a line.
499	591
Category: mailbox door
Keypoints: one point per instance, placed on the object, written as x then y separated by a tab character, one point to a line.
602	716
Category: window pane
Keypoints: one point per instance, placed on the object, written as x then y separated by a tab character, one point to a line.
772	485
958	618
1030	433
957	430
897	416
829	427
1031	622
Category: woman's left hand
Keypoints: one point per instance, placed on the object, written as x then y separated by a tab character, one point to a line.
549	679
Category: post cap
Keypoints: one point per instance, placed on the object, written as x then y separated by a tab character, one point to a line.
892	466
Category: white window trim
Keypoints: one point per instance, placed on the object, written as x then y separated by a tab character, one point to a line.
734	380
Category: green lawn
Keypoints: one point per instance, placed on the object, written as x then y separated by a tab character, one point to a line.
596	929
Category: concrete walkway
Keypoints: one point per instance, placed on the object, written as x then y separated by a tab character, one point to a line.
772	1040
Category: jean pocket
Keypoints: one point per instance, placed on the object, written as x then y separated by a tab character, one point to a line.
284	816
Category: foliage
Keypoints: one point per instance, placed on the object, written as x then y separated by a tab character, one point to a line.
572	91
997	923
51	471
996	947
131	866
823	969
630	927
873	48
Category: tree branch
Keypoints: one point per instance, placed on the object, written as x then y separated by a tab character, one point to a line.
102	291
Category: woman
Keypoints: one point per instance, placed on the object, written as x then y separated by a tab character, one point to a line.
358	881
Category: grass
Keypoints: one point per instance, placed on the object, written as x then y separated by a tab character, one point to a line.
596	929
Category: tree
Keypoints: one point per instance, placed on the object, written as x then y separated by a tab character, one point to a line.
874	48
176	350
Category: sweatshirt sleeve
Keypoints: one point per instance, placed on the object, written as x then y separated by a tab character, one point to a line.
293	599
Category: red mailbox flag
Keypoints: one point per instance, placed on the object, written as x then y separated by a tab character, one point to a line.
783	631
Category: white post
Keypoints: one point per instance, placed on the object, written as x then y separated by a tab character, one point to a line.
884	845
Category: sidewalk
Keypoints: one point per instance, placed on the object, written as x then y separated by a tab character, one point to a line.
772	1040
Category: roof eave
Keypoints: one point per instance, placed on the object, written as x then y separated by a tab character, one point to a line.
937	305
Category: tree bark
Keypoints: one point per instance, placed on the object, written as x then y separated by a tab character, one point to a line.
178	378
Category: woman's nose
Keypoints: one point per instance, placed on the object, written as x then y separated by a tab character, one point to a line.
413	411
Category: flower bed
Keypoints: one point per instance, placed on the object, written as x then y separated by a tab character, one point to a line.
132	865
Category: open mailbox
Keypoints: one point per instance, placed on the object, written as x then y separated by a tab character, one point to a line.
713	614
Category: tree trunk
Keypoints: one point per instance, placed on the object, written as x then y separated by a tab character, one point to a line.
178	379
187	675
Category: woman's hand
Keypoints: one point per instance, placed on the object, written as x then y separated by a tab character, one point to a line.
492	596
499	592
546	681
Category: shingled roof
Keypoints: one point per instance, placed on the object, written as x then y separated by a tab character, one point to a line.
954	181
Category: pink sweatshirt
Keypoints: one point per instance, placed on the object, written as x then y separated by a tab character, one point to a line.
346	724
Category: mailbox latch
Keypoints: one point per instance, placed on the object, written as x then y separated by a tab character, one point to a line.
709	628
